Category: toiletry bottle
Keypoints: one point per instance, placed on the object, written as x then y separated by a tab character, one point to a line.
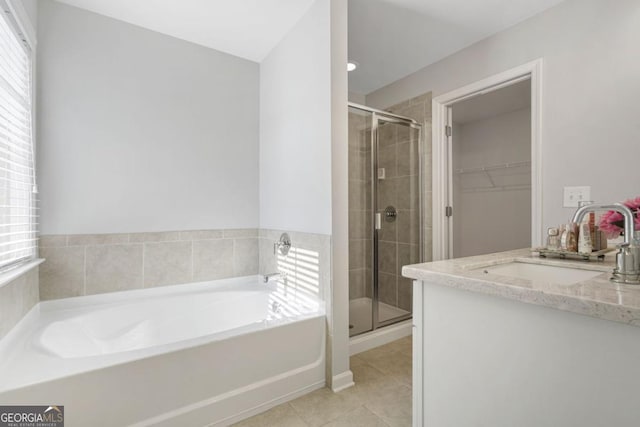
585	246
572	238
592	228
563	237
553	239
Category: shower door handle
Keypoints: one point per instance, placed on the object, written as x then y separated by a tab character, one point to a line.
378	221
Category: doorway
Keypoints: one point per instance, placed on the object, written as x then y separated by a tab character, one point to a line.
490	165
385	215
486	165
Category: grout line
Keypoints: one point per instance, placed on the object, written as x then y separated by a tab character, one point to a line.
192	262
396	272
84	271
233	258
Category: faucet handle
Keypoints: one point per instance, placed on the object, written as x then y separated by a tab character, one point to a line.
283	245
627	260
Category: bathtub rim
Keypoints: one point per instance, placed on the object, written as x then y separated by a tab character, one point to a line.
222	408
31	325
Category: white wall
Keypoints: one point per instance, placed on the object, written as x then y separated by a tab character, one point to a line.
487	220
295	128
31	7
338	309
303	154
590	87
141	132
357	98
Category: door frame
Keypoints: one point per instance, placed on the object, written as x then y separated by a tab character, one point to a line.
376	118
442	227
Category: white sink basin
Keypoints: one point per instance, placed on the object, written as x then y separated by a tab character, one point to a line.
541	273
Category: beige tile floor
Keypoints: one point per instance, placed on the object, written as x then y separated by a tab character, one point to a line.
381	396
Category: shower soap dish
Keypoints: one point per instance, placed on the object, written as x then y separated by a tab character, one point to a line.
557	253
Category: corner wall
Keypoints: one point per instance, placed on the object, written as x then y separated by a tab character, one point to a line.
295	128
303	162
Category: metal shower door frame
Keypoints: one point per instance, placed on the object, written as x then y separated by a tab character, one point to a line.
378	116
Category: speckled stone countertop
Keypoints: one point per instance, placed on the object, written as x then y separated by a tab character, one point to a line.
596	297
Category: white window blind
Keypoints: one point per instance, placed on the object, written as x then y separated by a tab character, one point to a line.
18	211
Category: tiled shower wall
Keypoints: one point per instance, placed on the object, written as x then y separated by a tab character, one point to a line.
398	243
97	263
402	249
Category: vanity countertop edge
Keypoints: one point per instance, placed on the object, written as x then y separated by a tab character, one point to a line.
596	297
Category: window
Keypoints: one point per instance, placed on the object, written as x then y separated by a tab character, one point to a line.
18	219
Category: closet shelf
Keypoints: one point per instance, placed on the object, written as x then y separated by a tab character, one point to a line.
502	177
497	188
493	167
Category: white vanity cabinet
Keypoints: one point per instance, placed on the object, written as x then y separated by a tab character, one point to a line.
500	352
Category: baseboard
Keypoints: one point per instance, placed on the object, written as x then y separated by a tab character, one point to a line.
342	381
379	337
242	403
268	405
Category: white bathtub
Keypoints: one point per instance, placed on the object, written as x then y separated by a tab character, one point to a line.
208	353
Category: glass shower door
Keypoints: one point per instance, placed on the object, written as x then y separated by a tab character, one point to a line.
384	216
397	216
360	224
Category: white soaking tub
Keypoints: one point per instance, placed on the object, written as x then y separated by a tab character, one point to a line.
207	353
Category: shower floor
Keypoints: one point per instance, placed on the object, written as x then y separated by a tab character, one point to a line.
360	314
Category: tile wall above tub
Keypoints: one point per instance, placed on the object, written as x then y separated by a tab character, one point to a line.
307	265
17	297
97	263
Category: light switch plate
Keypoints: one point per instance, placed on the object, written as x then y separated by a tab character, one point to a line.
574	195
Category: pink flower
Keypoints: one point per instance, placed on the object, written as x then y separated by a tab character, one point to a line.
612	223
633	204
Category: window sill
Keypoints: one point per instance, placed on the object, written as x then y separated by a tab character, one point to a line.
11	275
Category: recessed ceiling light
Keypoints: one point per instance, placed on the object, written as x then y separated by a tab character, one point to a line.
352	65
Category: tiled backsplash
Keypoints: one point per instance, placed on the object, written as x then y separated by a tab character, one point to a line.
97	263
308	264
87	264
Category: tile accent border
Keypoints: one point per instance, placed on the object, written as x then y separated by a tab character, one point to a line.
88	264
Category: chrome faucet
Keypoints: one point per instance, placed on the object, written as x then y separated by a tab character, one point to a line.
274	276
627	269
